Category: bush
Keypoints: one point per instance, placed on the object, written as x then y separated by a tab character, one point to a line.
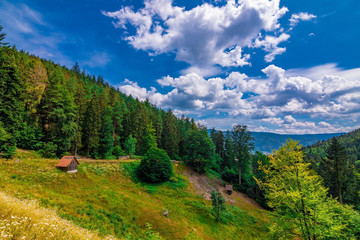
117	151
156	166
49	150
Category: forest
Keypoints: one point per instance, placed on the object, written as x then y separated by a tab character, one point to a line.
56	111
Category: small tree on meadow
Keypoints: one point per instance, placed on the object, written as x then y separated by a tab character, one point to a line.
218	203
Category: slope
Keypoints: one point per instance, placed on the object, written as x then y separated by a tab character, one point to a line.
107	198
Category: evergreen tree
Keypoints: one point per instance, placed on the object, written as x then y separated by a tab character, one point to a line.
7	149
91	126
243	143
218	203
76	69
170	135
149	139
130	145
335	169
11	95
106	134
59	113
2	37
119	111
199	150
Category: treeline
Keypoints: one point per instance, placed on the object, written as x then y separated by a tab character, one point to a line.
337	160
48	107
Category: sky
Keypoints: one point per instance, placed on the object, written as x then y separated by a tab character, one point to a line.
288	67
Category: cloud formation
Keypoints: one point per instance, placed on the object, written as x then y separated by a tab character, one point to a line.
206	35
276	99
301	16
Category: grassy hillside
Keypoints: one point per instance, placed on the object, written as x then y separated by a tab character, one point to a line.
107	198
24	219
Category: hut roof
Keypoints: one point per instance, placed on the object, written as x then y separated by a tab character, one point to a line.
229	187
66	160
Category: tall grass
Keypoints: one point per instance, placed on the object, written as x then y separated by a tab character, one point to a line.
24	219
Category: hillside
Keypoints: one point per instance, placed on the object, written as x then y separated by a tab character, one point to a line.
351	142
267	142
108	199
347	162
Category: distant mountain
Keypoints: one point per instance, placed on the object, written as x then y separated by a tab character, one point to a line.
267	142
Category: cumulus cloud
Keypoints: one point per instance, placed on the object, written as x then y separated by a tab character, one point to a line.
206	35
279	98
301	16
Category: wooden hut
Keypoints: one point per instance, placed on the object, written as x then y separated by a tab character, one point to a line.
229	189
68	164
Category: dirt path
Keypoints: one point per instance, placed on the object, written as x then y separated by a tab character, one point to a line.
204	186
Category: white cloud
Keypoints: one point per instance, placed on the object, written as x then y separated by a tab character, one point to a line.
206	35
270	45
301	16
279	99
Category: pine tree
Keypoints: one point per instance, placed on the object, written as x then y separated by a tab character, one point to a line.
59	113
130	145
149	139
170	135
2	37
11	95
91	126
106	133
335	169
243	143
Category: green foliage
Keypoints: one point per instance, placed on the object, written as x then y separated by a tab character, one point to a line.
106	134
49	150
2	37
130	145
170	135
243	143
149	139
336	161
229	175
218	203
11	107
7	149
199	150
299	200
117	151
156	167
30	137
334	169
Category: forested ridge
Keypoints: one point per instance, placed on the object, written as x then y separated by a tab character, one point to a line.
337	160
50	107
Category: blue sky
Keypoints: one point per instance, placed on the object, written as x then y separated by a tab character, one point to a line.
277	66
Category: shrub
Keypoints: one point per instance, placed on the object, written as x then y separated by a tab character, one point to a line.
156	166
117	151
49	150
